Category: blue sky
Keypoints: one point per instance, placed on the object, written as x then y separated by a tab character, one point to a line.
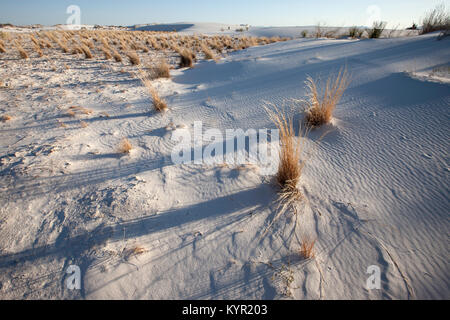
253	12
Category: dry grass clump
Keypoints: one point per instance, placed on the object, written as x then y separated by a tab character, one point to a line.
45	44
85	110
307	247
38	50
23	54
187	58
132	252
89	43
6	117
2	46
62	44
107	53
291	163
125	146
83	124
77	50
320	107
290	168
117	57
71	113
436	20
158	103
134	58
209	54
160	70
87	52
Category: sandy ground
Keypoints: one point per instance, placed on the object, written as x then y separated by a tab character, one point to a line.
140	227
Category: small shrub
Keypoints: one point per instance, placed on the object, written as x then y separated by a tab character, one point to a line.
331	34
187	59
355	32
319	32
304	34
436	20
377	29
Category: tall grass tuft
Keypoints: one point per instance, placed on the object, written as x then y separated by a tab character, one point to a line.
321	103
291	163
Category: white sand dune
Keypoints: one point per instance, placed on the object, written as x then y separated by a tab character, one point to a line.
376	187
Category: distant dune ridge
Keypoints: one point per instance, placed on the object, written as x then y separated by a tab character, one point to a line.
191	28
